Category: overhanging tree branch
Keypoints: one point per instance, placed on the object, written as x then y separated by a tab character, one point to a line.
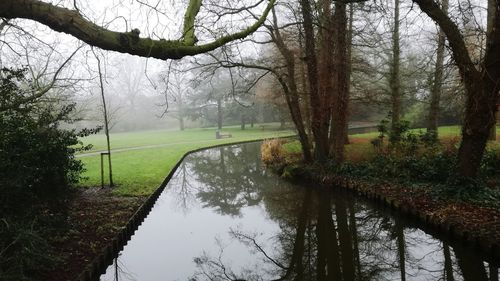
455	38
73	23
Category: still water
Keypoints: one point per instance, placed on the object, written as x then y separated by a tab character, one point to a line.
223	216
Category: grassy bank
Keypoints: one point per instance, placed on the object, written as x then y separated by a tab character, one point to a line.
139	172
416	178
414	161
360	148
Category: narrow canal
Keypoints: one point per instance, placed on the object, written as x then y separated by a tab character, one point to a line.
223	216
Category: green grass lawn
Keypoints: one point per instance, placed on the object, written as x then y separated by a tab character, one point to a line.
444	131
361	148
140	172
144	138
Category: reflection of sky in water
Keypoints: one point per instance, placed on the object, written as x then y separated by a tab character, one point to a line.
181	228
165	245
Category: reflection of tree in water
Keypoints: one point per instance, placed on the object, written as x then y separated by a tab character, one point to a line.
183	188
322	235
213	269
333	238
230	178
120	272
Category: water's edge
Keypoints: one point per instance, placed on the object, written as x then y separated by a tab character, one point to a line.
94	270
428	224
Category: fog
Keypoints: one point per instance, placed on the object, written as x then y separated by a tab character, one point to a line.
147	94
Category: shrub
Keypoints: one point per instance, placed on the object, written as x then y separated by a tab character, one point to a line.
37	163
22	251
420	157
272	151
37	170
490	164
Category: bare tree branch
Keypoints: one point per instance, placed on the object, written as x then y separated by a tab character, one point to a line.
73	23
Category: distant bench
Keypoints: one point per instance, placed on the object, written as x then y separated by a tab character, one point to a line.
263	127
220	135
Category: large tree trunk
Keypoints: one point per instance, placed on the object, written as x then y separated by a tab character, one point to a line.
394	79
479	118
482	100
319	103
341	95
437	84
482	87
